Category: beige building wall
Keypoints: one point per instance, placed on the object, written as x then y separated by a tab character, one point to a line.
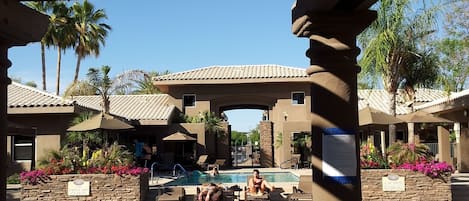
50	129
46	143
276	98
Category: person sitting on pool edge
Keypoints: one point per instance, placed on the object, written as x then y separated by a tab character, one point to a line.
214	172
210	192
258	184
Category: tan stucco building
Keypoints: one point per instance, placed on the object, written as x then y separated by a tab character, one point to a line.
283	93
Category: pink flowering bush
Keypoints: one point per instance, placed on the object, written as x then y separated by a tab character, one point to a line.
33	177
415	157
430	168
113	159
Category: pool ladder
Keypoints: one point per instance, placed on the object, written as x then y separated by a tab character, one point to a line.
152	170
182	169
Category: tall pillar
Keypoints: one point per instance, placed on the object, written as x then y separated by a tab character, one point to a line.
4	82
334	105
457	132
410	133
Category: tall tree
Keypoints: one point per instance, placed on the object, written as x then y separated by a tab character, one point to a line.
43	7
390	45
99	80
62	34
91	32
454	48
138	82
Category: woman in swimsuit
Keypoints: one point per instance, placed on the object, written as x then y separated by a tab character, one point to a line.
258	184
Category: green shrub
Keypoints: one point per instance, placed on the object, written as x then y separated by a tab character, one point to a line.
13	179
400	153
371	158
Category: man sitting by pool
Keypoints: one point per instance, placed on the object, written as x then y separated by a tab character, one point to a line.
257	184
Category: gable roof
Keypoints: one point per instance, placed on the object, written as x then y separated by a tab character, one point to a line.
149	109
26	99
234	74
379	99
453	97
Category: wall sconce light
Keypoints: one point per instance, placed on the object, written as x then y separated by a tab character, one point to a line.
466	112
285	115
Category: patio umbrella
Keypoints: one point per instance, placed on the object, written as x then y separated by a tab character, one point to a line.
101	122
371	116
179	137
423	117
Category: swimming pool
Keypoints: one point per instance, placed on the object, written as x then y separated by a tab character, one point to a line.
198	178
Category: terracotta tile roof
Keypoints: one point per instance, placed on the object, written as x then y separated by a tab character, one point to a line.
148	109
236	72
446	99
22	96
379	98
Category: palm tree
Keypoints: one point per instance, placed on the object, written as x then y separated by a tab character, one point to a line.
62	34
391	44
99	80
91	32
43	7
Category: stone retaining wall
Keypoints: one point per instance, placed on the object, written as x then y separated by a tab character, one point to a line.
102	187
417	186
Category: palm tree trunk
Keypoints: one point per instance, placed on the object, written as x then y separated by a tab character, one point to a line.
57	81
77	69
392	111
43	59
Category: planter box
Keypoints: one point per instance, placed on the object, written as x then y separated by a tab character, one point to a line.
417	186
101	187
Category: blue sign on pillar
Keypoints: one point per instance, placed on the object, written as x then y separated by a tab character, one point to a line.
339	162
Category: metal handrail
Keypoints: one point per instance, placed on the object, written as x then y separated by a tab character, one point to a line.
152	170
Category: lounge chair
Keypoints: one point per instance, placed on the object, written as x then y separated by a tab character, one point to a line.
202	161
295	161
304	189
172	194
218	163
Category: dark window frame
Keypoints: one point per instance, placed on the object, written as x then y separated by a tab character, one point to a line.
193	102
294	101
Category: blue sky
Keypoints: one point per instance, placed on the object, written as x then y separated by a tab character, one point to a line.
177	35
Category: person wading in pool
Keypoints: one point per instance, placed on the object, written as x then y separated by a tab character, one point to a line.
258	184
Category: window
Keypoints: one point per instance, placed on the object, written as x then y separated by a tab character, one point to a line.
188	100
23	147
298	98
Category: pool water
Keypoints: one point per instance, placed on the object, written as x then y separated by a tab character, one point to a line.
198	178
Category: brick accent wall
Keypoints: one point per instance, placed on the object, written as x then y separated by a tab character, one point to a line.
266	144
102	187
417	186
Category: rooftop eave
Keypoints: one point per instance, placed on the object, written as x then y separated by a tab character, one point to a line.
42	110
21	25
228	81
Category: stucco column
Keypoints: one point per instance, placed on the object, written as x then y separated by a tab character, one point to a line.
411	133
334	105
457	150
4	82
